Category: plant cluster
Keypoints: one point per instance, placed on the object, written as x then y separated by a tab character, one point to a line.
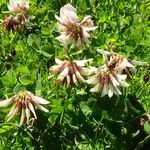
91	95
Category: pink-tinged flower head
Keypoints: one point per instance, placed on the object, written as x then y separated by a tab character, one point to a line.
107	81
70	72
18	6
72	30
11	24
120	63
25	104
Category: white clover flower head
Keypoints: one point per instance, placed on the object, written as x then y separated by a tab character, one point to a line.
18	6
71	72
25	104
107	81
72	30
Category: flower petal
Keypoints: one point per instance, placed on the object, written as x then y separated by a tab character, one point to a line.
138	63
125	63
123	84
82	63
55	69
105	90
79	77
92	80
28	114
74	78
90	28
113	80
115	90
22	116
42	108
85	71
6	102
32	109
14	110
96	88
121	76
40	100
58	61
68	80
102	52
63	74
110	92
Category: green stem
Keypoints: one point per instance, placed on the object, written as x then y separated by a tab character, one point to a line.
67	51
68	91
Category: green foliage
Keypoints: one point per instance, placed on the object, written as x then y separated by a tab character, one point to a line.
77	118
